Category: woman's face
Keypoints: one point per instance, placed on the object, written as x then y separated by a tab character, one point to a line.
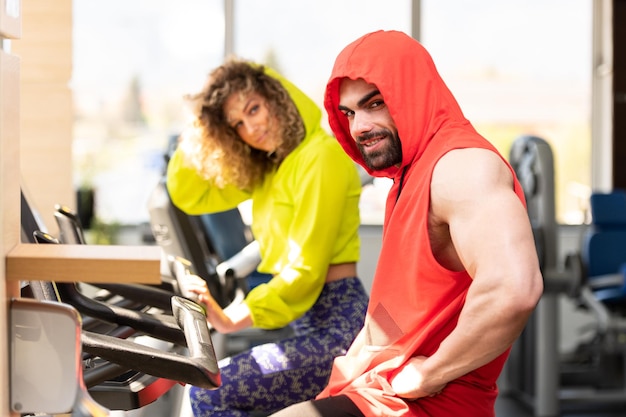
249	115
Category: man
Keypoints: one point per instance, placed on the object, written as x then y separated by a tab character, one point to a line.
458	274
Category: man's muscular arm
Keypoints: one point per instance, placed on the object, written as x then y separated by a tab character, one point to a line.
472	193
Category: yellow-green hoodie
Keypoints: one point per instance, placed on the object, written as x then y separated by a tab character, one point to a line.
305	216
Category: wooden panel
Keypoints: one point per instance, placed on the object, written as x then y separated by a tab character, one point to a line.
84	263
9	199
45	49
11	18
46	148
10	133
46	42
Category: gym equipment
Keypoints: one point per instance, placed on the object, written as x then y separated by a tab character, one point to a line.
531	362
599	362
44	361
205	241
604	249
41	330
536	373
122	368
220	249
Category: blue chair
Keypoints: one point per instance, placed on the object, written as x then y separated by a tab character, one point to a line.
604	248
227	235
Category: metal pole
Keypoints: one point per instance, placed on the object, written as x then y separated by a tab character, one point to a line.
229	28
547	370
416	13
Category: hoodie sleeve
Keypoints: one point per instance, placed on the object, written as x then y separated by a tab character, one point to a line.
195	195
323	230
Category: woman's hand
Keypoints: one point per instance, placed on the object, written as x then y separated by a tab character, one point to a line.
215	314
235	317
190	283
411	383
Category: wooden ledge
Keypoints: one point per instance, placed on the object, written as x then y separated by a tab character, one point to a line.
84	263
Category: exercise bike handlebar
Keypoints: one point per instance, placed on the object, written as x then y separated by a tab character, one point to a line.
191	317
199	368
160	326
149	295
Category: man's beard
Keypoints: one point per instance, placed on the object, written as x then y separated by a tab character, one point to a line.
388	155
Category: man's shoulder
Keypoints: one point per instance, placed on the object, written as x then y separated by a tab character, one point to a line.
467	172
469	160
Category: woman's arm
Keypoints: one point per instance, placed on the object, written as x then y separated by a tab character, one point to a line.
233	318
196	195
319	224
324	193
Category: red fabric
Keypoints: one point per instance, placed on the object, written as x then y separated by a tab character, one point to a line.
414	301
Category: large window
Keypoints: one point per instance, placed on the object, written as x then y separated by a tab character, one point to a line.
522	68
517	68
133	62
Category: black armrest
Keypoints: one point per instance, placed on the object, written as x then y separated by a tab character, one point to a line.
160	326
146	294
102	372
199	369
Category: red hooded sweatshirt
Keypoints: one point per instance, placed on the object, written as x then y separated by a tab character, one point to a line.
414	302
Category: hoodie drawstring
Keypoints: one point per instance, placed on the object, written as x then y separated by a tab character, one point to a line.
401	183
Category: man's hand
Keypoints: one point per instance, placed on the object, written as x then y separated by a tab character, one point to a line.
410	382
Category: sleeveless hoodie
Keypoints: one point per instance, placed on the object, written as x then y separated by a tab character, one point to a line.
414	302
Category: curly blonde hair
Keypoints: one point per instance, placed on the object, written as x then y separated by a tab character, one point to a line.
214	148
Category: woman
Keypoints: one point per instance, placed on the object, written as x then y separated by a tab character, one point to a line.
256	136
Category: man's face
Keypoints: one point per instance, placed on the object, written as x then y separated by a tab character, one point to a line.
371	125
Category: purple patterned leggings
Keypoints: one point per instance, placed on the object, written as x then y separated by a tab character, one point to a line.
275	375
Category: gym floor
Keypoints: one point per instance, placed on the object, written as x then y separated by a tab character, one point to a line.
507	406
175	404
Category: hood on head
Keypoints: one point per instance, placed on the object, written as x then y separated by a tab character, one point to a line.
418	100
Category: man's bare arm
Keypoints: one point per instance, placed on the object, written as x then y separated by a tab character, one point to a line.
472	192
